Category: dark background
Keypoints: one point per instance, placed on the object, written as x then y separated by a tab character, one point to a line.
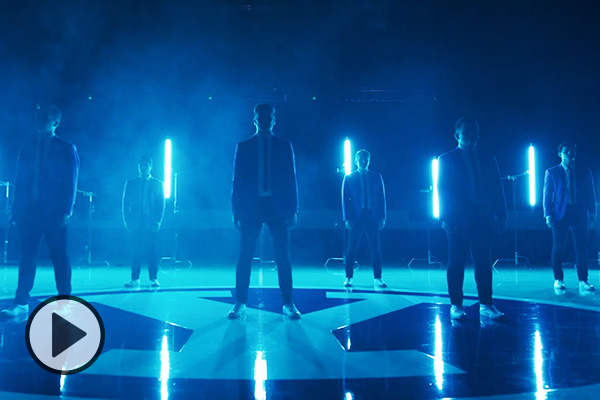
391	75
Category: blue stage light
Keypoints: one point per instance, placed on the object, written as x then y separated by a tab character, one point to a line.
435	173
168	167
347	156
532	176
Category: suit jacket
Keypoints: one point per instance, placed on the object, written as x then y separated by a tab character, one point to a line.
57	180
352	196
457	206
284	187
556	191
135	215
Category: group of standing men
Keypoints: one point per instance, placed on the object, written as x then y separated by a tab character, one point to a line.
265	191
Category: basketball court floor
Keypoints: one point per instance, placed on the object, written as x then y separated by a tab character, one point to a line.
177	343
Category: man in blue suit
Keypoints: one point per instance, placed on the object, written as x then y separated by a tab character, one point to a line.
364	211
45	189
264	191
569	202
472	211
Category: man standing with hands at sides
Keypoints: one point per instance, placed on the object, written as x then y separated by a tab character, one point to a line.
569	202
473	211
364	211
45	191
264	191
143	211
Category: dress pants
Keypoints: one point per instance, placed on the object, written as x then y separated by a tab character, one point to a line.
31	229
575	219
250	227
476	237
143	246
366	224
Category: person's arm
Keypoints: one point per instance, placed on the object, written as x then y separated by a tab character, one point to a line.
160	204
235	192
292	220
71	177
548	199
126	206
17	205
591	200
383	204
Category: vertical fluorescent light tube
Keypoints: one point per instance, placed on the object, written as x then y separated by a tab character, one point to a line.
347	156
435	173
168	167
532	188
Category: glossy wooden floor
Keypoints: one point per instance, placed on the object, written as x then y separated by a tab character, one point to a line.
176	343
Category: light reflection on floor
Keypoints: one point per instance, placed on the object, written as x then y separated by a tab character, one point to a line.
352	345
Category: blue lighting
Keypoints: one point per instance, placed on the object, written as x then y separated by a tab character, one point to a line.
438	363
347	156
531	171
349	396
538	367
165	368
260	376
435	173
168	168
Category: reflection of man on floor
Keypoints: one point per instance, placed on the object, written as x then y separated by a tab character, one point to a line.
143	210
569	202
45	189
364	210
264	192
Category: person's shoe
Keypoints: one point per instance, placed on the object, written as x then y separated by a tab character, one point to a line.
457	312
237	311
15	310
133	284
585	287
489	311
290	311
379	283
348	282
154	284
559	285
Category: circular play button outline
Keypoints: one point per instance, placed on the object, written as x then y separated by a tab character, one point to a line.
47	308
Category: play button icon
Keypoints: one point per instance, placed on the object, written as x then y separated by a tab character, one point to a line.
64	334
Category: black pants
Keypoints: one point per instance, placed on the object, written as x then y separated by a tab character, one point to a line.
367	225
250	227
577	221
143	246
478	238
31	231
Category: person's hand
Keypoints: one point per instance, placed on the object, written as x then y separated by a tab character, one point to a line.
449	228
550	221
64	220
290	223
236	223
349	225
381	224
